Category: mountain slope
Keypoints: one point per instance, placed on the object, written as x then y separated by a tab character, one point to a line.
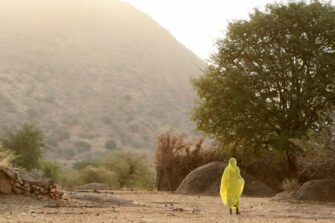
91	71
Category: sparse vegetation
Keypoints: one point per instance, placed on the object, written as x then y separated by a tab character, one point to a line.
121	169
111	145
61	136
290	184
79	165
91	174
7	157
50	169
131	169
83	146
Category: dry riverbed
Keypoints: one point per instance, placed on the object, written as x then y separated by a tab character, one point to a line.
142	207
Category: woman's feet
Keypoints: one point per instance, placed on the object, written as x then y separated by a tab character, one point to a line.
231	210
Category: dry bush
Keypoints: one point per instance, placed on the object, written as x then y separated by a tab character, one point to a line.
176	157
6	157
319	156
130	169
290	184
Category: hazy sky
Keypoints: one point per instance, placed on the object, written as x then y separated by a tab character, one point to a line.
197	23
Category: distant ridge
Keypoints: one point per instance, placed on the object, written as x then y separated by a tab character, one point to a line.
92	71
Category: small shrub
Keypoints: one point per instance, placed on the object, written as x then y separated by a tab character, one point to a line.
79	165
50	169
91	174
61	136
68	153
83	146
106	120
111	145
52	142
290	184
7	157
69	178
134	128
132	170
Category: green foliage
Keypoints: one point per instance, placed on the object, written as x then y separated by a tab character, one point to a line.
131	169
272	80
91	174
27	143
122	169
79	165
83	146
50	169
111	145
69	178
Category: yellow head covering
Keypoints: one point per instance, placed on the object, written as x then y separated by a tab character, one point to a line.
232	184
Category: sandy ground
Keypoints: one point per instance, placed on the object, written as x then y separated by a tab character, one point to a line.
159	208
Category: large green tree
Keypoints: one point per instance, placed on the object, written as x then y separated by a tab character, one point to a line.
27	143
271	80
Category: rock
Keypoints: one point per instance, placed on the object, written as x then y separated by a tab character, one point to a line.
5	185
284	196
317	190
93	187
29	176
205	180
17	190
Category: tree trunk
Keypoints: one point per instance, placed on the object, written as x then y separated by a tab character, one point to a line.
292	163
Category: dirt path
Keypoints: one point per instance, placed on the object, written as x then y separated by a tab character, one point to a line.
159	208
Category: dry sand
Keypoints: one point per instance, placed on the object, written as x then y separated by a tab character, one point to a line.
159	208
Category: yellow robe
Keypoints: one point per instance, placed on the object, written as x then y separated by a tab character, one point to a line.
232	184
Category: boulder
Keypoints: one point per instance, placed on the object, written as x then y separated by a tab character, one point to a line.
5	185
205	180
317	190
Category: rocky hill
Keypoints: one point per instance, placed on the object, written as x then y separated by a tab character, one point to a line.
90	72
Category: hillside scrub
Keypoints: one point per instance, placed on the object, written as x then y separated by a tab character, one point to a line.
6	157
121	169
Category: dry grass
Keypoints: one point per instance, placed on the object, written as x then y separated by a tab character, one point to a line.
6	158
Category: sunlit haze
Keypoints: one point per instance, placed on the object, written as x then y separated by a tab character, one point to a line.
197	23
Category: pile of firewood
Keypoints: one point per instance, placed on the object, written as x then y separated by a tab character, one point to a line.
36	189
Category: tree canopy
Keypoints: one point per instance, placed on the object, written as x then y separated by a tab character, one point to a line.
271	80
27	143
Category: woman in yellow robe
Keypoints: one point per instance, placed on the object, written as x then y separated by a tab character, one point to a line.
232	185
